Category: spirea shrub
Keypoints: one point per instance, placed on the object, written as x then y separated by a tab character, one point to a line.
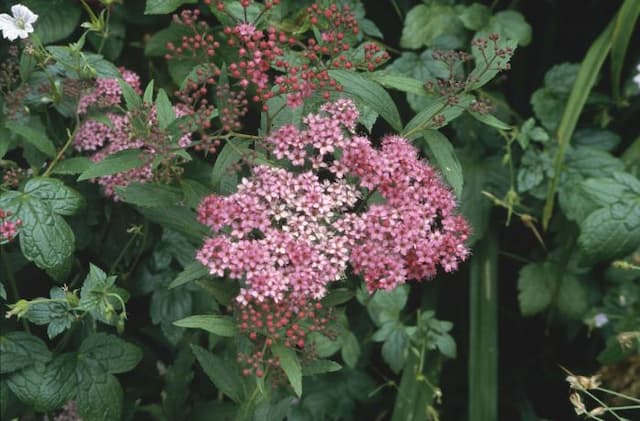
260	210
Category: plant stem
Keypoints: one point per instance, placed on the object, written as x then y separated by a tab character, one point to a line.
60	153
12	283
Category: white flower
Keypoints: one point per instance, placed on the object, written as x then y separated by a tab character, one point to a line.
600	320
637	78
20	25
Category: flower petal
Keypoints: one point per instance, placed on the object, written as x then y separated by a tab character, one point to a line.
23	12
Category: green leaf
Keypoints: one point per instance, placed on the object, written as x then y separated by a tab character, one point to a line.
446	345
385	306
71	166
125	160
561	78
161	7
218	325
398	82
424	24
446	159
192	272
350	350
290	365
177	384
177	218
149	195
231	153
320	367
605	140
19	350
35	137
57	19
222	374
45	238
422	68
395	348
572	300
475	16
547	107
337	296
490	120
370	93
97	296
63	199
611	232
56	313
624	28
46	387
112	353
157	45
512	25
166	114
486	63
425	118
535	288
589	70
100	395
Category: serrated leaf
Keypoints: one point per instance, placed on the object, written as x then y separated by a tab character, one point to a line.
20	349
474	16
46	387
446	159
424	24
63	199
112	353
290	365
223	375
131	97
611	232
166	114
125	160
535	288
320	367
512	25
350	350
370	93
395	348
572	300
218	325
385	306
100	395
45	238
446	345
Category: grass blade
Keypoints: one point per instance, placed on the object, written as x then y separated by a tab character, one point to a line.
622	32
483	325
589	70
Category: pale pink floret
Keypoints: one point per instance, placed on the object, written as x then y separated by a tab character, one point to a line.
284	234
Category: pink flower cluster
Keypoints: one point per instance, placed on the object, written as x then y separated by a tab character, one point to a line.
286	235
106	139
281	240
8	228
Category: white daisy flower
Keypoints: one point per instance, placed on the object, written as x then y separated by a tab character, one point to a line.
20	25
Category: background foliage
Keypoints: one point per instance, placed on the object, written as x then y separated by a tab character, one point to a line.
108	309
